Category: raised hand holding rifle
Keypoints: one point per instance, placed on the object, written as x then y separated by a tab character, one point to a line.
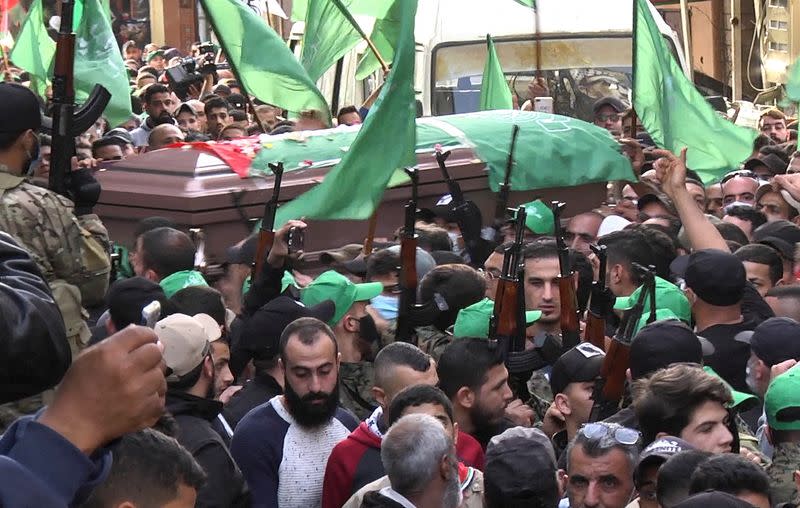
610	386
570	322
505	187
601	303
266	234
408	266
68	123
467	214
508	322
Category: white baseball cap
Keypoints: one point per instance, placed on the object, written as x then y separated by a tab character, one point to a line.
187	341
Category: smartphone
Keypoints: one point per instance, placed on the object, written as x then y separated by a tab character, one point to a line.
296	239
543	104
150	314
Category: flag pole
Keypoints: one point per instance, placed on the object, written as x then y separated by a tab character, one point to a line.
634	119
537	39
361	33
234	70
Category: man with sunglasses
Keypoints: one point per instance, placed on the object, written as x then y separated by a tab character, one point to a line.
600	464
608	113
739	187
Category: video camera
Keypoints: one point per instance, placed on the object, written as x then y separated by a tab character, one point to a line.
192	71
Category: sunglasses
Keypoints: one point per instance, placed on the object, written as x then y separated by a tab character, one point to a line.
621	435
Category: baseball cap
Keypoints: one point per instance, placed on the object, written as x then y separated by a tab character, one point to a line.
340	255
154	54
184	108
173	283
334	286
656	198
517	459
713	499
119	134
774	340
261	332
473	321
611	224
187	341
771	161
615	103
668	296
539	218
662	343
20	108
781	235
658	452
781	403
580	364
741	400
715	276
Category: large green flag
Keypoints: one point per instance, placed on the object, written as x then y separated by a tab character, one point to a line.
793	82
673	111
329	34
34	49
98	60
495	93
385	35
385	143
265	64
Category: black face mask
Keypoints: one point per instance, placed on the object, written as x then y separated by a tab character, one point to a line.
368	331
304	411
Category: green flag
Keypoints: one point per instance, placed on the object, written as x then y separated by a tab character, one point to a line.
265	64
673	111
329	34
385	35
793	82
495	93
528	3
385	143
98	60
34	50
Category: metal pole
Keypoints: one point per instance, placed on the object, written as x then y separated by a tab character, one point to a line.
686	28
736	50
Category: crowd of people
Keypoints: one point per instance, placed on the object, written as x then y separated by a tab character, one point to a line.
144	383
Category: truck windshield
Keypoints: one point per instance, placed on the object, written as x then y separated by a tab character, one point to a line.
578	70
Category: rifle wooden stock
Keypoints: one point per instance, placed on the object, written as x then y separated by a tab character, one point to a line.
610	387
408	288
595	332
505	311
266	235
265	241
570	324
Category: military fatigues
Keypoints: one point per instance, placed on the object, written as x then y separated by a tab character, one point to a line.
785	461
355	388
432	340
71	252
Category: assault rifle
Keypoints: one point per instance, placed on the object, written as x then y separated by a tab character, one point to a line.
596	317
68	123
505	187
266	234
570	322
408	266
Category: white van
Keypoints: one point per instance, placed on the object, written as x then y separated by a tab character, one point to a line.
586	53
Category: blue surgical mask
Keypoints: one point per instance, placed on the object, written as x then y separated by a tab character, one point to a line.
386	306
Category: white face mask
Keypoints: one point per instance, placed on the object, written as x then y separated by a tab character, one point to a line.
454	241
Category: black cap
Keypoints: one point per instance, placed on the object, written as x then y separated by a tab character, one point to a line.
713	499
615	103
781	235
119	134
662	343
19	108
656	198
262	331
715	276
774	341
580	364
658	452
517	459
771	161
127	297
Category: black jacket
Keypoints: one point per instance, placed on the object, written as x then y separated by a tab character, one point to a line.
254	393
225	486
34	352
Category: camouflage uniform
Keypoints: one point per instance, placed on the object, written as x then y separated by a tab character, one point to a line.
785	461
355	388
541	395
433	341
71	252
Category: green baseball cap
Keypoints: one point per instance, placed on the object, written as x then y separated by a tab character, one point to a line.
539	218
173	283
473	321
781	403
668	296
286	281
334	286
153	54
741	401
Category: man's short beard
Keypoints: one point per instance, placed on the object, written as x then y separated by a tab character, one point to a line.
482	420
306	413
